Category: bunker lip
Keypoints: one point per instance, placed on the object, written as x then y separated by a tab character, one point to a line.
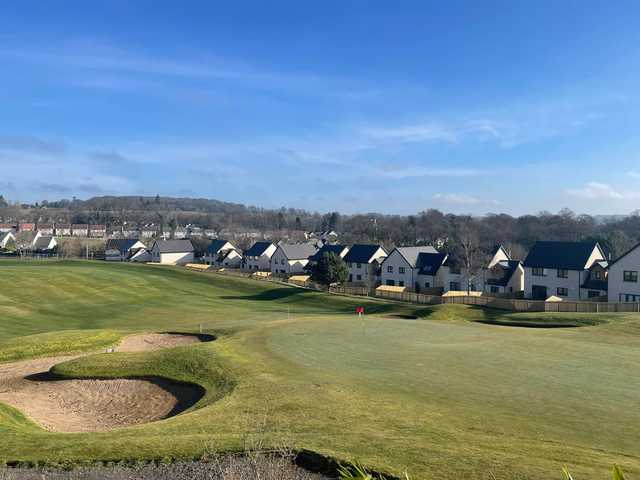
64	404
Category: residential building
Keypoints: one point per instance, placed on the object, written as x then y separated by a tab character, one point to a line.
172	252
80	230
431	272
180	233
289	259
258	257
596	284
44	244
502	275
63	230
339	250
98	231
7	240
559	269
7	227
624	284
27	227
229	259
121	249
148	231
141	256
45	229
216	250
402	267
363	262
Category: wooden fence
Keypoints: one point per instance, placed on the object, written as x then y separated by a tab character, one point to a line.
509	304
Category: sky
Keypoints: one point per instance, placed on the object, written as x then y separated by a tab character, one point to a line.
354	106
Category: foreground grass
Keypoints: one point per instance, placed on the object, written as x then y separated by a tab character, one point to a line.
444	395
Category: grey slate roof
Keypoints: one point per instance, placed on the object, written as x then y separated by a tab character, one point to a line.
361	253
337	249
430	263
257	249
215	246
298	251
563	255
42	243
174	246
411	254
123	245
509	268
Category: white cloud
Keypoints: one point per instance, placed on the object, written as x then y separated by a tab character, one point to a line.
602	191
461	199
634	174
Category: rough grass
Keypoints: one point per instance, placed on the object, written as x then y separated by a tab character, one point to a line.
441	396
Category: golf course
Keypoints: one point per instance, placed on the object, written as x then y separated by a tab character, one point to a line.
435	391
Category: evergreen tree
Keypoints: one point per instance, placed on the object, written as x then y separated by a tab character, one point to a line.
330	269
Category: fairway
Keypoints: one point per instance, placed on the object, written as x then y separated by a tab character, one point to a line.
453	393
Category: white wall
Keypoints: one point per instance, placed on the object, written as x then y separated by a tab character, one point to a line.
262	263
618	288
551	280
394	262
178	258
232	260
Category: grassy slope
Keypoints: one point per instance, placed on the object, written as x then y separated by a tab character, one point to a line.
439	396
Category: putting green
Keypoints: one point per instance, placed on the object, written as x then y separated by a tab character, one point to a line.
441	396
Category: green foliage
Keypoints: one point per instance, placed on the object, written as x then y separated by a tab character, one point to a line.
330	269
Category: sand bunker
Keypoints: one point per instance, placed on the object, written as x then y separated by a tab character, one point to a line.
80	405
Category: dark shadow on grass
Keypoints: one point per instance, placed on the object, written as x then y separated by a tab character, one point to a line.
532	324
269	295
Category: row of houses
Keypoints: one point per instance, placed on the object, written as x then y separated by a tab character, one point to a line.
61	230
551	270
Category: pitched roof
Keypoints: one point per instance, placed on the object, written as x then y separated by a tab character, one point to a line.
509	267
410	254
42	243
174	246
362	253
257	249
337	249
625	254
123	245
296	251
430	263
564	255
216	245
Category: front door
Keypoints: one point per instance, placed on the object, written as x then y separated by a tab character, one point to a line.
539	292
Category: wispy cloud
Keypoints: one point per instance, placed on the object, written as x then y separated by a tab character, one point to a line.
28	143
634	174
428	171
461	199
602	191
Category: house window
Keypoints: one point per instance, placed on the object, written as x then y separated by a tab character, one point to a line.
401	283
390	269
350	265
358	277
630	276
358	265
391	283
537	272
563	292
282	261
631	298
563	273
400	269
495	289
454	286
427	285
597	274
593	294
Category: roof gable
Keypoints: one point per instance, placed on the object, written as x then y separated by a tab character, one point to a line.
297	251
257	249
173	246
561	255
362	253
410	254
337	249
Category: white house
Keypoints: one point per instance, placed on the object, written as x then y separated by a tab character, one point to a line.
363	262
624	285
7	239
339	250
98	231
172	252
258	257
80	230
43	244
46	229
63	230
121	249
402	267
502	275
291	258
596	284
559	269
216	250
142	256
229	259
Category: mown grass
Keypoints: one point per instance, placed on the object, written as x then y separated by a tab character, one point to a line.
441	396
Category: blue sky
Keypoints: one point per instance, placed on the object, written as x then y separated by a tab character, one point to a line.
393	107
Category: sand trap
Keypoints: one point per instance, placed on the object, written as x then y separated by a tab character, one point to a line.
97	405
